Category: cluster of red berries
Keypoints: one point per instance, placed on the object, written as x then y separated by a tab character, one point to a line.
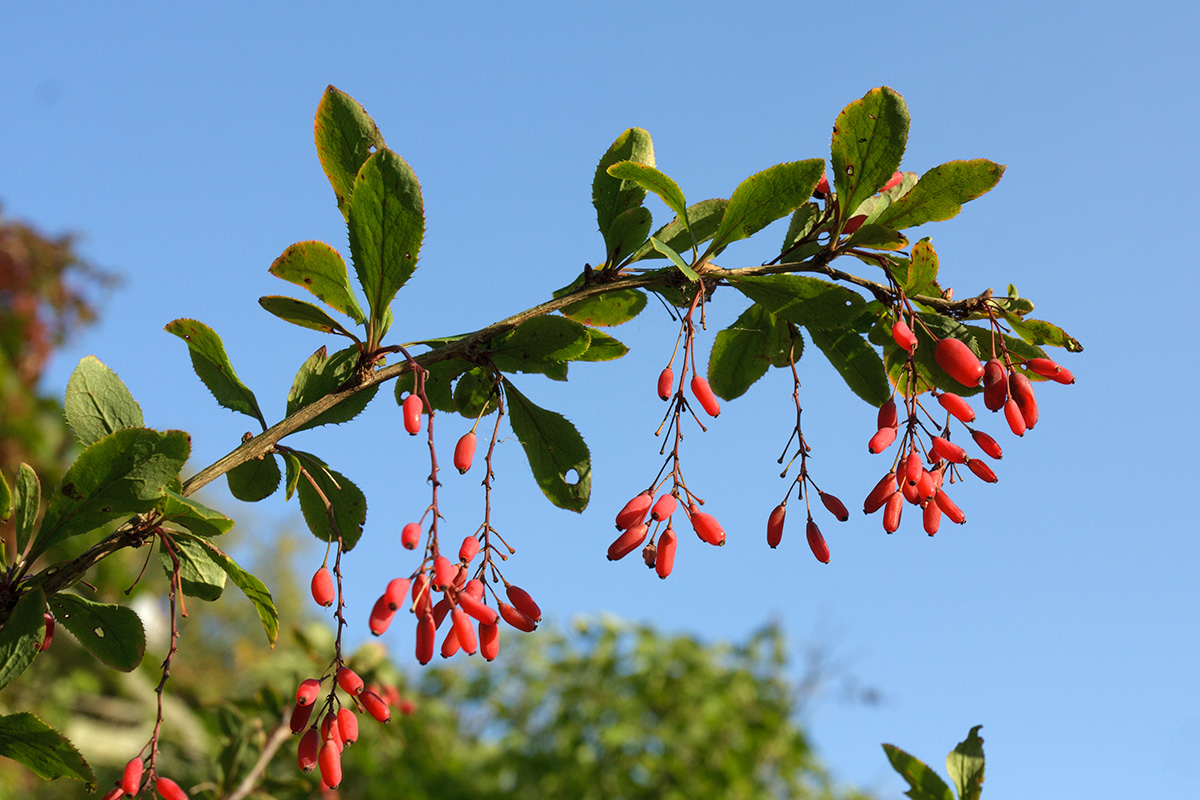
131	784
816	541
659	554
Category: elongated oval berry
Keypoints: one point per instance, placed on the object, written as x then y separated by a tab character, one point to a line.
395	592
987	444
322	587
887	417
946	449
634	511
958	360
957	406
450	645
426	632
949	508
704	394
330	762
1016	421
664	556
903	336
474	588
349	681
853	224
982	470
169	789
926	487
300	717
627	542
1064	376
931	517
464	452
468	549
485	614
440	609
48	639
891	512
911	492
995	385
1044	367
412	414
310	745
115	793
892	181
347	725
489	641
913	467
834	505
817	542
381	616
879	495
666	383
308	691
443	573
707	527
410	537
881	441
422	600
822	187
523	602
465	631
131	779
375	705
1022	391
664	508
515	618
775	525
330	731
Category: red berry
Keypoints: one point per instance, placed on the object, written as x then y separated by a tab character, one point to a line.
394	594
627	542
666	383
946	449
704	394
664	556
349	681
515	618
1016	421
707	527
412	413
465	631
169	789
475	607
926	487
308	691
376	706
310	745
891	512
881	441
523	602
410	537
440	610
932	518
887	417
421	599
381	616
300	717
1044	367
957	406
634	511
489	641
822	187
949	508
468	549
835	506
464	452
995	385
911	493
1022	391
48	620
959	361
131	779
913	467
322	587
474	588
347	725
450	644
116	793
982	470
1065	376
664	508
426	631
893	181
444	573
903	336
775	525
330	761
880	494
817	542
853	224
987	444
330	731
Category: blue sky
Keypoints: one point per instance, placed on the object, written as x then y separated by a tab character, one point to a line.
1063	616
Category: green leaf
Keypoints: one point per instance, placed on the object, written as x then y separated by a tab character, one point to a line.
856	361
124	473
473	391
610	308
349	506
387	225
626	234
704	218
675	259
200	576
44	751
1039	332
98	403
28	502
803	221
810	302
320	375
538	340
603	347
964	764
878	237
439	384
654	180
554	449
254	480
922	269
292	465
6	499
196	517
742	352
21	636
346	135
306	315
924	783
319	268
940	193
614	196
765	197
254	589
111	633
869	138
213	367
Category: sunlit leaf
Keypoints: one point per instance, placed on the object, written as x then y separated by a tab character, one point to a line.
306	315
965	766
610	308
805	301
869	138
213	367
27	503
346	512
765	197
321	270
614	196
320	375
654	180
940	193
44	751
21	635
346	136
924	783
254	480
199	575
193	515
98	403
856	361
111	633
254	589
557	453
742	352
703	217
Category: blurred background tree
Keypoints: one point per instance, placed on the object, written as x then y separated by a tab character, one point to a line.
606	710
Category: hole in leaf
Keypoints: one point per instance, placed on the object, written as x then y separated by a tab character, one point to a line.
371	149
571	477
